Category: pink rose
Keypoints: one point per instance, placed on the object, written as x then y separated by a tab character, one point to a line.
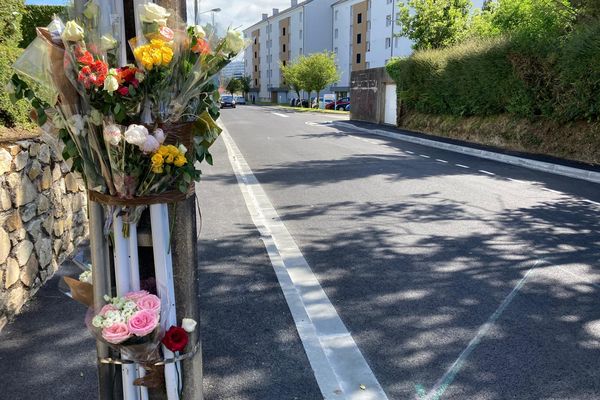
149	302
107	308
143	322
116	333
134	296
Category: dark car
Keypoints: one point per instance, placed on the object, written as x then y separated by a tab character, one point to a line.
227	101
339	105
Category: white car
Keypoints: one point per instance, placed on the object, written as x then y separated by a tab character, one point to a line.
240	100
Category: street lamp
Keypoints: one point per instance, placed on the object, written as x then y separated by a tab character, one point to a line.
213	11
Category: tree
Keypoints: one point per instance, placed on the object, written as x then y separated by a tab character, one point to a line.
245	84
234	85
432	24
317	71
291	76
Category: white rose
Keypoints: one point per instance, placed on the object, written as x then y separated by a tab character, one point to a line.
234	42
96	117
199	32
72	32
154	13
86	277
108	42
112	134
98	321
150	145
111	83
188	324
136	135
91	9
182	149
159	135
77	124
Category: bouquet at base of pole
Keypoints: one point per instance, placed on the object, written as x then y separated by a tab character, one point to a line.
134	325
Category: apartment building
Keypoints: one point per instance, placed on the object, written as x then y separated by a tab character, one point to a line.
364	36
304	28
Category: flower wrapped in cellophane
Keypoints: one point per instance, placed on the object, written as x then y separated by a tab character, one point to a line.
134	128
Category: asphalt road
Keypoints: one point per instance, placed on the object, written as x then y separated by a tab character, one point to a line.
458	278
474	278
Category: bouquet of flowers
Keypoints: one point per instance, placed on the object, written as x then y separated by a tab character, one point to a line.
136	129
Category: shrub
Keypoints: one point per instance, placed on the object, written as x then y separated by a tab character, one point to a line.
10	35
34	16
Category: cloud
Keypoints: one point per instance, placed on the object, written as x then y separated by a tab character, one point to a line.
235	13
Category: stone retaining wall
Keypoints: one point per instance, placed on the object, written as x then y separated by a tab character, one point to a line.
43	217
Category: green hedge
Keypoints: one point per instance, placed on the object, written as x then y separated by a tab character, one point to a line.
559	79
10	35
35	16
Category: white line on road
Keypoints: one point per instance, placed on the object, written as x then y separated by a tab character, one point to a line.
339	367
483	171
280	115
552	191
442	161
409	152
446	380
424	156
462	166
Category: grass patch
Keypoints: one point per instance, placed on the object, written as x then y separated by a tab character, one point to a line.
317	110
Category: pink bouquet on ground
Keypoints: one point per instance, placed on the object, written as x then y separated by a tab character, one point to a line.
131	319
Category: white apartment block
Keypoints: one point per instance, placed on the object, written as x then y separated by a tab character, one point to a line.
304	28
362	33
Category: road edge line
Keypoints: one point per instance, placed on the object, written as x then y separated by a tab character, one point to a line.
556	169
339	367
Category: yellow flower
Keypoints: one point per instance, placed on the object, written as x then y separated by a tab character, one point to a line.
180	161
154	54
170	158
157	160
163	151
157	169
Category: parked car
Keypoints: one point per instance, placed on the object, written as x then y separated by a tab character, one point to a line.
347	108
339	105
227	101
240	100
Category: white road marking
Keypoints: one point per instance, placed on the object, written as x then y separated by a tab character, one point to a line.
280	115
592	202
442	161
462	166
409	152
552	191
339	367
446	380
424	156
518	180
483	171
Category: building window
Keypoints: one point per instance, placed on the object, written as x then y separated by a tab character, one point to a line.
300	16
256	68
284	47
335	50
254	40
335	33
300	34
255	55
256	82
358	58
300	50
368	46
358	38
337	12
388	43
359	18
284	31
284	63
388	20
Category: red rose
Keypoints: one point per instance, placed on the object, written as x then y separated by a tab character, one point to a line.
175	339
123	90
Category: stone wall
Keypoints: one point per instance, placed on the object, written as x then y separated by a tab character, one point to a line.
367	91
43	217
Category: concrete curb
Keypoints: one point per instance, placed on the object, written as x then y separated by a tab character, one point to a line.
551	168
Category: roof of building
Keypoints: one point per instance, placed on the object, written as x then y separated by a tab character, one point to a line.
302	4
339	2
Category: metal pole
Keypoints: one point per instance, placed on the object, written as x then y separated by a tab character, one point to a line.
101	278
